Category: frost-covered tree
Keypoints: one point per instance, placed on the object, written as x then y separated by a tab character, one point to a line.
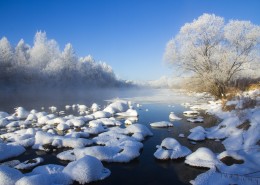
43	52
215	52
44	64
6	59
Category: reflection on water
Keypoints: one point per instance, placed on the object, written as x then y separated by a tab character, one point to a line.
156	106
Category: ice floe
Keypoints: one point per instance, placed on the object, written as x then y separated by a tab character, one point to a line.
161	124
86	169
170	148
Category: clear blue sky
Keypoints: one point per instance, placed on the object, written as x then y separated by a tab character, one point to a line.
130	35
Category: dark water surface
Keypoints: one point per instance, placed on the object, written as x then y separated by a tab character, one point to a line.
156	106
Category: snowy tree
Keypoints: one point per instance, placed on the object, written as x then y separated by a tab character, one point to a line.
213	51
44	63
43	51
6	51
6	59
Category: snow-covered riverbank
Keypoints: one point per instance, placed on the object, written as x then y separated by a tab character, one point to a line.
239	132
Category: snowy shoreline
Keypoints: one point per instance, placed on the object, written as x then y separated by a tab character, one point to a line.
239	132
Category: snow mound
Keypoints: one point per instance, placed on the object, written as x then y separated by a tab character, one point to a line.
54	172
103	153
21	113
29	164
3	115
86	169
117	106
104	121
3	122
197	134
202	157
196	120
43	138
172	116
9	176
139	128
101	114
95	107
170	148
216	178
10	150
128	113
75	122
34	180
161	124
63	126
191	113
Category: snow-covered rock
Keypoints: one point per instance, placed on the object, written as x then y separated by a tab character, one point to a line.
104	121
196	120
128	113
28	164
63	126
54	173
172	116
3	114
86	169
197	134
75	122
139	128
117	106
170	148
95	107
9	176
202	157
161	124
101	114
191	113
3	122
21	113
10	150
34	180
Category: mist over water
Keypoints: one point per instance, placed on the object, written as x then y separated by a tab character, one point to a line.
38	98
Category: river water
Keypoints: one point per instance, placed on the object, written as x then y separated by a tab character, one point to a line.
156	106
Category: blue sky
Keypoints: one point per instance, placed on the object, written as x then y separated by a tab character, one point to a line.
130	35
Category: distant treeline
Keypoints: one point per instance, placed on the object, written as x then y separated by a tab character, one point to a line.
44	64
